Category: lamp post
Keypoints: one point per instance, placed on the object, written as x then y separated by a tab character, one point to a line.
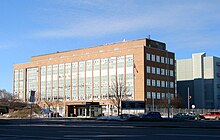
168	85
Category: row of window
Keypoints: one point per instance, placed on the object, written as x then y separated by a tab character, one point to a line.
159	71
158	95
159	83
159	59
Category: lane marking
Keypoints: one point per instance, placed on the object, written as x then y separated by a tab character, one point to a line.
26	136
189	135
69	131
100	136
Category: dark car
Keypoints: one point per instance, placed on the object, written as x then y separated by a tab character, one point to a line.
184	116
151	115
129	117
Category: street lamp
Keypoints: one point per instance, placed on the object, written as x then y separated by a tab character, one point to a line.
168	85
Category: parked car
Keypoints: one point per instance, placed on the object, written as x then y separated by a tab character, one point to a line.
210	116
109	118
151	115
129	117
184	116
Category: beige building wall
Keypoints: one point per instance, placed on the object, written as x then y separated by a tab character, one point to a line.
135	48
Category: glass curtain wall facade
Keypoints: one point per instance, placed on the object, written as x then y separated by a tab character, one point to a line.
83	80
32	82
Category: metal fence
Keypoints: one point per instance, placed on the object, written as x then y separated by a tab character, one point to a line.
173	111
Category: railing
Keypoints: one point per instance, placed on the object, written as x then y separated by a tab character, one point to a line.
173	111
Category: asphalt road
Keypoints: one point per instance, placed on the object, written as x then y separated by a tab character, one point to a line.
72	132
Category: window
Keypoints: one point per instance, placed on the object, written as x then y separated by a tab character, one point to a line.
153	57
153	70
166	84
148	69
153	83
158	83
148	82
167	60
162	59
162	83
162	71
163	95
148	95
171	61
171	85
172	96
171	72
168	95
167	72
153	95
158	58
158	95
148	56
158	70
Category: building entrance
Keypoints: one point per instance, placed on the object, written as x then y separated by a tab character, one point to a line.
90	109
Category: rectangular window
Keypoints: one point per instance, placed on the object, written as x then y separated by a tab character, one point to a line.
148	95
162	59
171	85
153	83
148	69
171	61
158	58
162	71
158	95
158	71
153	70
172	96
148	82
154	95
167	72
148	56
153	57
166	84
163	96
167	60
171	72
162	83
158	83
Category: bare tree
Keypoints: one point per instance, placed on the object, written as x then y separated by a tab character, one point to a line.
12	101
5	94
118	93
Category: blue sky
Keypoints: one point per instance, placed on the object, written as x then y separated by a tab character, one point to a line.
34	27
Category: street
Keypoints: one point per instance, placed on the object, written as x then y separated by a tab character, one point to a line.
92	132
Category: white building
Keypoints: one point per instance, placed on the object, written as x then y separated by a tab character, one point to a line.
201	74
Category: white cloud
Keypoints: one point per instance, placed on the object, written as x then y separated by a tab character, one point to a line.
180	22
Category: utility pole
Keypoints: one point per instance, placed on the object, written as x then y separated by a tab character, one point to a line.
188	100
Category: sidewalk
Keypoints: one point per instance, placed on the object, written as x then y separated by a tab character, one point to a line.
91	122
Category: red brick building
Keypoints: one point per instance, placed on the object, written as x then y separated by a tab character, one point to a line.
79	81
